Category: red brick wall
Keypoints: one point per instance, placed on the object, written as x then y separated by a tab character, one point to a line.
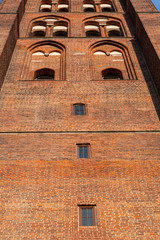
11	13
43	183
141	6
46	105
9	6
147	29
148	33
43	180
9	33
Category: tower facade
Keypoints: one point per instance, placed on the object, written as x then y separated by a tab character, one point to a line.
79	119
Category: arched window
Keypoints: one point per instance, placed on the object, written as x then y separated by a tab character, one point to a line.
45	60
114	33
55	6
106	6
88	6
102	26
44	74
114	29
38	29
112	73
92	29
48	26
79	109
111	60
60	29
46	6
63	6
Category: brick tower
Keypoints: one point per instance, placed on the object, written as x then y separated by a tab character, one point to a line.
79	130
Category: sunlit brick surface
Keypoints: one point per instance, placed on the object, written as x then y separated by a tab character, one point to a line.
43	180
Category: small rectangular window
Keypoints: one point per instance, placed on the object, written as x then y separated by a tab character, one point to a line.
79	109
87	215
83	150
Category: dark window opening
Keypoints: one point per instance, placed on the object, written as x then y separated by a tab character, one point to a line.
92	33
38	34
112	73
63	10
60	34
46	10
107	10
114	33
44	73
45	77
79	109
89	9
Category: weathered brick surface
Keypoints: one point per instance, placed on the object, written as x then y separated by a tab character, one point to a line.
76	22
74	6
43	180
147	29
9	31
11	13
46	105
148	33
145	6
9	6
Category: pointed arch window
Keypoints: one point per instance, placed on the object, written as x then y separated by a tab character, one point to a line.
111	60
103	27
55	6
49	27
45	60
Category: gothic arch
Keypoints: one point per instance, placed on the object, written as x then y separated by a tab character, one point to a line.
105	25
110	55
106	6
98	6
54	6
50	25
44	55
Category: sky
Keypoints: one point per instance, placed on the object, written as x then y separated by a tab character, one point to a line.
156	3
